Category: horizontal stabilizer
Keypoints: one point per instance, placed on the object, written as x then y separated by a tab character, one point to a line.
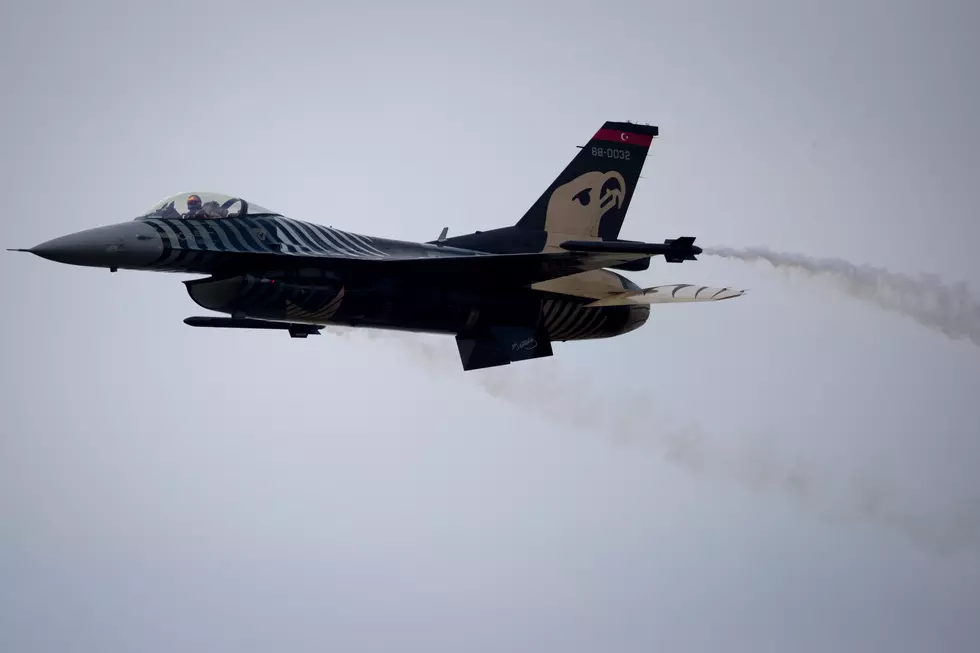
669	294
295	330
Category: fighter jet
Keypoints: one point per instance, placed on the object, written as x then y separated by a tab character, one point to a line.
505	294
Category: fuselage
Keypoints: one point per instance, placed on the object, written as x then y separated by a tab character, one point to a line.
319	294
505	293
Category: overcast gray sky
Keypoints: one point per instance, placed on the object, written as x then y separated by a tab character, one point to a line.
795	470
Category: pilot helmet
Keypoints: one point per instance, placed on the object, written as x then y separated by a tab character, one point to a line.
193	202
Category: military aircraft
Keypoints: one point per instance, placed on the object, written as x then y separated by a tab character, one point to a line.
505	294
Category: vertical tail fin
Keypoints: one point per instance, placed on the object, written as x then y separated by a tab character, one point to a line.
589	199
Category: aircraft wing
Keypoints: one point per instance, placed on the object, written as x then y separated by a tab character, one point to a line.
463	269
668	294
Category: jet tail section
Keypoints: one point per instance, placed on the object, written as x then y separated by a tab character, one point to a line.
591	196
501	345
587	201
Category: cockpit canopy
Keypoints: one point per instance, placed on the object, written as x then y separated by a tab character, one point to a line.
213	206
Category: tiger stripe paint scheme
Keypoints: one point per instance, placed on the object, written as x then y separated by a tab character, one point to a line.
506	293
185	241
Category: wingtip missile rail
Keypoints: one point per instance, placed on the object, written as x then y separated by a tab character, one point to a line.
674	250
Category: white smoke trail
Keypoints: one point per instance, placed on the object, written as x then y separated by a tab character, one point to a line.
948	308
749	462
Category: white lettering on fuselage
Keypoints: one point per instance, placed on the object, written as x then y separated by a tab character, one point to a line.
524	345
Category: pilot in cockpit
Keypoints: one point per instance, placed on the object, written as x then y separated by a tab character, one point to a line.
206	210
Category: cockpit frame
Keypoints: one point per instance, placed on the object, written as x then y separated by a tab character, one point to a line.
203	205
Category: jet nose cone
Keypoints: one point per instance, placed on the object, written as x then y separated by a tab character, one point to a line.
116	246
66	249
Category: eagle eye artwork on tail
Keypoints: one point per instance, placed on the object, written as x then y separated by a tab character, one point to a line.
506	294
